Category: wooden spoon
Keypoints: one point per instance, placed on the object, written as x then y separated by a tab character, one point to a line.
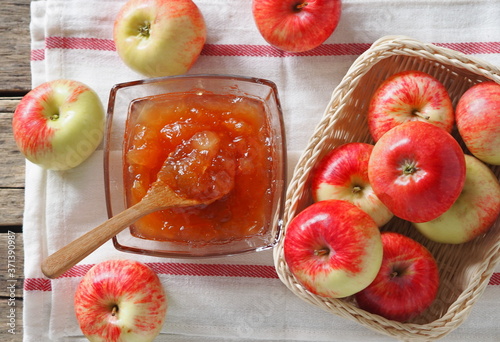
160	196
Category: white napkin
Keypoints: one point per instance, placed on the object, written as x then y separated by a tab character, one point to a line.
73	39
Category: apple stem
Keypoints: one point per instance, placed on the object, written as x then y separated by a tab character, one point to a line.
410	169
145	29
322	252
54	117
356	189
300	6
394	274
420	115
114	310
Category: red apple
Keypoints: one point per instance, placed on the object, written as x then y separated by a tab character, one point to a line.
343	174
473	213
59	124
296	25
478	121
407	282
408	96
417	170
333	248
159	37
120	300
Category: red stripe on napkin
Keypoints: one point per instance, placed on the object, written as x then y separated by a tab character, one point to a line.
473	48
218	50
77	271
79	43
495	279
37	55
215	270
186	269
212	270
180	269
246	50
37	284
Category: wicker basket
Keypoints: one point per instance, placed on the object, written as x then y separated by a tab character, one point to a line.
465	269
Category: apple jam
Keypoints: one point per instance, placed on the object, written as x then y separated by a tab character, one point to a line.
204	144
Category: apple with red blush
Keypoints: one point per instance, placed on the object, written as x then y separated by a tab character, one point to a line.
417	170
478	121
120	301
296	25
473	213
59	124
343	174
407	282
408	96
159	37
333	248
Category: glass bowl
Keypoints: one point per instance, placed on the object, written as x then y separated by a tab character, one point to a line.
122	134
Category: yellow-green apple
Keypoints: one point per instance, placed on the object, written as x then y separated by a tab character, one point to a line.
407	282
120	301
408	96
343	174
159	37
473	213
296	25
417	170
478	121
333	248
59	124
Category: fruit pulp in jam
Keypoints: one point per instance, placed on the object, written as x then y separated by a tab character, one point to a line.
228	134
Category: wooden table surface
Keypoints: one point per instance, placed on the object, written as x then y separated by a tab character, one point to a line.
15	82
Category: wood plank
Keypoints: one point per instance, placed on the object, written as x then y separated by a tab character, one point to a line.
13	164
12	168
11	301
11	207
15	48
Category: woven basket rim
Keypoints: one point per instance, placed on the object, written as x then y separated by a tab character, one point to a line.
385	47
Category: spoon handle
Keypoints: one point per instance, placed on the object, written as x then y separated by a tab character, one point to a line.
68	256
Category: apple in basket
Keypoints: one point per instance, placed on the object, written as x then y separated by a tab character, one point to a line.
59	124
343	174
120	300
473	213
159	37
478	121
417	170
407	96
407	282
295	25
333	248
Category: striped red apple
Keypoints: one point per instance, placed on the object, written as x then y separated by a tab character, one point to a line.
478	121
159	37
120	301
343	174
407	282
408	96
295	25
333	248
59	124
417	170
